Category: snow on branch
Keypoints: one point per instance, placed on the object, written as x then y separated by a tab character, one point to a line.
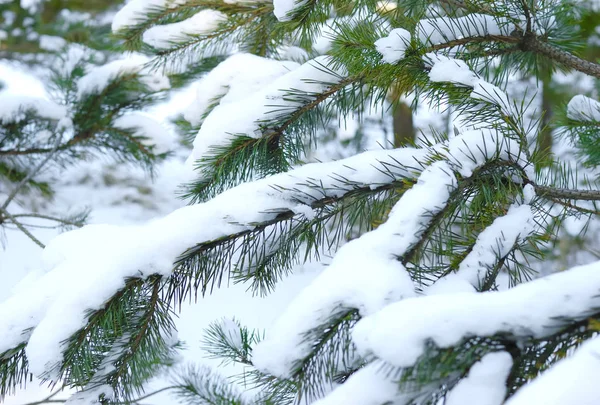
444	31
165	36
134	11
532	310
98	78
232	80
13	108
493	244
582	108
151	132
445	69
368	386
447	29
486	382
81	275
573	377
247	108
346	284
284	9
393	46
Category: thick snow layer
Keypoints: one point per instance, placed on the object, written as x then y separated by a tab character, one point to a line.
398	333
165	36
143	125
571	381
486	382
446	69
393	46
445	29
54	304
31	5
346	284
233	80
135	10
283	9
293	53
368	386
492	94
472	148
582	108
323	42
96	80
52	43
244	112
13	108
492	243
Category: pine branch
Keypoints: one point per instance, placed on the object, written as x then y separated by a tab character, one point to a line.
275	151
31	173
532	43
21	227
287	215
568	194
14	370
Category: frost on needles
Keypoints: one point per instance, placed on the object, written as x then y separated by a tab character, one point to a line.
444	285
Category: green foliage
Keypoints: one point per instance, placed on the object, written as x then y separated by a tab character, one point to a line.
127	341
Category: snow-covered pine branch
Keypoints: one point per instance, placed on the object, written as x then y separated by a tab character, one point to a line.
438	288
272	199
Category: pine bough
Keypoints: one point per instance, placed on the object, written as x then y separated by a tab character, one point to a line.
440	302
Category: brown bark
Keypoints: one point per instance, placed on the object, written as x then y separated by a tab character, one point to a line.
403	126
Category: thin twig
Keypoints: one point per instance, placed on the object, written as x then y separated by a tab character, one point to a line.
32	173
49	218
21	227
49	400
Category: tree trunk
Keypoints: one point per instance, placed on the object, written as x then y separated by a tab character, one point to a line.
404	130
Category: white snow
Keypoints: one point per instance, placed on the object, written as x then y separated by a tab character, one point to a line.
231	330
450	70
470	149
486	382
134	12
492	94
492	243
446	69
536	309
393	46
445	29
345	284
283	9
54	304
323	41
582	108
244	111
292	53
233	80
30	5
367	386
13	108
165	36
96	80
571	381
52	43
153	132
